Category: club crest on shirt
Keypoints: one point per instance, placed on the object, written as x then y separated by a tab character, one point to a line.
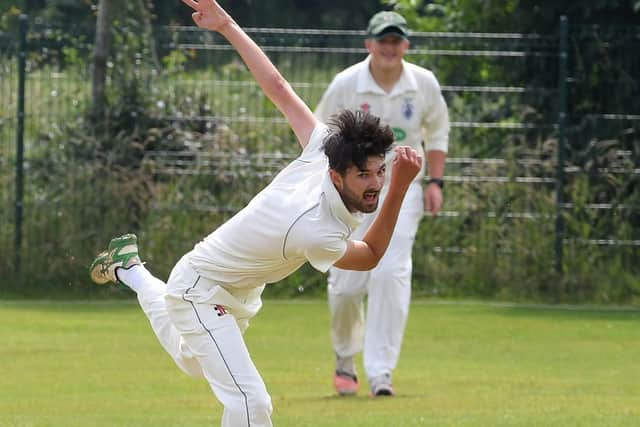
399	134
407	108
365	107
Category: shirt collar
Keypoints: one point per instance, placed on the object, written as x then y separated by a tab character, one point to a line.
338	209
366	83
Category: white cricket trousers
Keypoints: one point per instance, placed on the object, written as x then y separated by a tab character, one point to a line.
388	287
200	325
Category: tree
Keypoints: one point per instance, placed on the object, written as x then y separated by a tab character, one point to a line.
100	55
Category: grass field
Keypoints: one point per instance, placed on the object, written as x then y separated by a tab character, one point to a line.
463	364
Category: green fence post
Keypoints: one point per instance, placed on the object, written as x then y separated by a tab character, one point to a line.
22	54
562	117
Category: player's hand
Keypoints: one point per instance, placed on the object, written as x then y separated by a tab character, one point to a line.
433	199
208	14
406	165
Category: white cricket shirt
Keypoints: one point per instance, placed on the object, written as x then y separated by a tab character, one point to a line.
414	109
298	217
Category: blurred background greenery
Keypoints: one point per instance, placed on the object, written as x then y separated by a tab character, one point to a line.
181	137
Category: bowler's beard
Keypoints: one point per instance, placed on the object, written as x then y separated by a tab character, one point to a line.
355	202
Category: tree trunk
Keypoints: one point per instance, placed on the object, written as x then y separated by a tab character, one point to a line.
100	54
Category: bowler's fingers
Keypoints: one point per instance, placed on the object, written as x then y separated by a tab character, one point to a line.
192	4
403	152
428	204
409	154
414	157
435	205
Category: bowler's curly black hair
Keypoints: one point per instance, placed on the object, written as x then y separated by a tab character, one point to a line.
355	136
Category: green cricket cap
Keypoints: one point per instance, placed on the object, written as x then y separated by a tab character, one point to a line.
383	23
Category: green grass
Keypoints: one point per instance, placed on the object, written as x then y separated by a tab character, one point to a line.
98	364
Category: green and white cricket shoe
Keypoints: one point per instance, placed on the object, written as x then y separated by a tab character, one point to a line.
122	252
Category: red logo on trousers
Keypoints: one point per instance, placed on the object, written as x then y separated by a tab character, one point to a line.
220	310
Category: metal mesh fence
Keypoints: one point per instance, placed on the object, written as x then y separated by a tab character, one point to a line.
216	140
8	110
497	153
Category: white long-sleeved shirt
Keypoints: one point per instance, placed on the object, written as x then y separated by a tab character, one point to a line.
298	217
415	108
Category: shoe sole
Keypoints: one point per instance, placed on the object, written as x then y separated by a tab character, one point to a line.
383	392
98	279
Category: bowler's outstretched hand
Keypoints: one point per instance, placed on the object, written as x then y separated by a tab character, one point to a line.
208	14
433	199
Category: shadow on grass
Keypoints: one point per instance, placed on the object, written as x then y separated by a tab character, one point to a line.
361	398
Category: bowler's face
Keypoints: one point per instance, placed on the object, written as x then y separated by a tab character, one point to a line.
360	188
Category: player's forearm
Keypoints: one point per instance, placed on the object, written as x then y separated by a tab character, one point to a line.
379	234
436	160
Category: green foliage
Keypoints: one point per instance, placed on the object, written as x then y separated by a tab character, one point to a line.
603	79
9	18
174	62
501	246
274	13
457	15
179	151
516	16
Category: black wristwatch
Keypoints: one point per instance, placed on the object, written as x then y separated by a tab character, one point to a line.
437	181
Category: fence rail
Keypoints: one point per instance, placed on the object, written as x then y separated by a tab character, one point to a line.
521	165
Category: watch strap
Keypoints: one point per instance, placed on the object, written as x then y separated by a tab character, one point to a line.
438	181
